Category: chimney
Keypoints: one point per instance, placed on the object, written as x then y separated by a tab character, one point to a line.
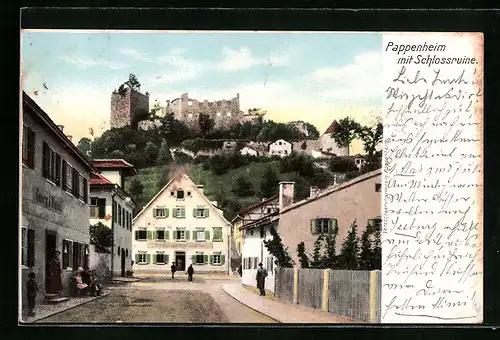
200	187
61	127
70	137
285	194
313	191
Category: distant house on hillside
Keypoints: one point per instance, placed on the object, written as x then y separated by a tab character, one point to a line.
328	144
248	151
280	148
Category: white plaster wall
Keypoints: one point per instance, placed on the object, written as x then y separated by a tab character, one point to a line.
276	149
253	246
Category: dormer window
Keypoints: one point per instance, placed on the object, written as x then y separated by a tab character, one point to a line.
180	194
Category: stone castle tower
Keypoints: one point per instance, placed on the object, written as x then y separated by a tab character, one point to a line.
128	108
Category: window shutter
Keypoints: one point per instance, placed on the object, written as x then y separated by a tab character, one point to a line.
335	224
31	248
154	212
211	259
207	212
64	174
137	255
193	259
148	258
166	259
206	259
137	234
207	235
330	225
58	169
183	212
75	182
150	235
166	212
154	259
45	159
222	259
313	227
101	203
174	212
115	218
31	150
194	212
187	234
167	235
85	191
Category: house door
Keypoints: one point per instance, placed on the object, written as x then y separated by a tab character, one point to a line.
50	250
180	261
123	263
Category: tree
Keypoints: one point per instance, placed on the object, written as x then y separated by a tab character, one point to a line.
303	258
205	123
303	146
101	237
133	83
243	187
269	183
345	131
371	137
348	258
259	113
136	188
342	164
276	248
330	257
85	146
366	251
317	261
150	153
164	155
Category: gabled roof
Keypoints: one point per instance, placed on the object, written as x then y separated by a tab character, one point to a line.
98	179
242	211
128	169
195	189
331	128
263	221
42	115
333	188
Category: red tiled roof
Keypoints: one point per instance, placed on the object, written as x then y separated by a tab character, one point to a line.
331	128
98	179
257	204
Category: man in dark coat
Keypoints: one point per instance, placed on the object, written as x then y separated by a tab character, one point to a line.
173	269
190	272
261	279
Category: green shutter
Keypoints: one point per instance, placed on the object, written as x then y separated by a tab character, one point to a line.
330	225
137	234
166	259
148	258
211	259
187	234
335	224
207	235
313	226
206	259
154	259
194	212
183	212
154	212
207	212
136	258
222	259
174	212
166	212
167	235
150	235
193	259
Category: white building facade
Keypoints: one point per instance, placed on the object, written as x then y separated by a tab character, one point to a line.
54	201
329	145
247	151
280	148
180	225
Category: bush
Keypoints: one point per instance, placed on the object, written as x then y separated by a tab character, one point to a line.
101	237
243	187
342	164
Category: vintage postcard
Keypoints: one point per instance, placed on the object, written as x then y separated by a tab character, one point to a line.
251	177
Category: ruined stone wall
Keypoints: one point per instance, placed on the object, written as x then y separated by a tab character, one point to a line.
123	106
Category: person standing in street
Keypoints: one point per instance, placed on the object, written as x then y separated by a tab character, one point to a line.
190	272
173	269
261	279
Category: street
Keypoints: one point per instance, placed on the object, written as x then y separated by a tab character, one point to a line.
163	300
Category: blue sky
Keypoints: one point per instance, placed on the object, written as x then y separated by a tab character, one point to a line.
315	77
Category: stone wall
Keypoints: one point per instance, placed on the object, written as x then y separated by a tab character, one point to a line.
123	106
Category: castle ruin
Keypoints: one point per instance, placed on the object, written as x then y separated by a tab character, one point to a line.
128	107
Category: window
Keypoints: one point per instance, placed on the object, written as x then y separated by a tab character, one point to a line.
190	103
262	232
76	183
179	212
160	234
180	235
200	258
141	235
218	114
200	235
126	252
123	216
51	164
378	187
118	251
323	225
180	194
86	256
68	177
119	214
28	147
161	258
217	259
172	193
97	207
28	247
141	258
228	114
160	212
66	253
279	143
251	232
200	212
189	193
268	210
285	152
77	255
217	234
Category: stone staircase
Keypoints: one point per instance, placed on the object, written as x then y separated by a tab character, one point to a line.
53	299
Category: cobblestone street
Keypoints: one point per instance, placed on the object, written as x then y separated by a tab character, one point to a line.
161	300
